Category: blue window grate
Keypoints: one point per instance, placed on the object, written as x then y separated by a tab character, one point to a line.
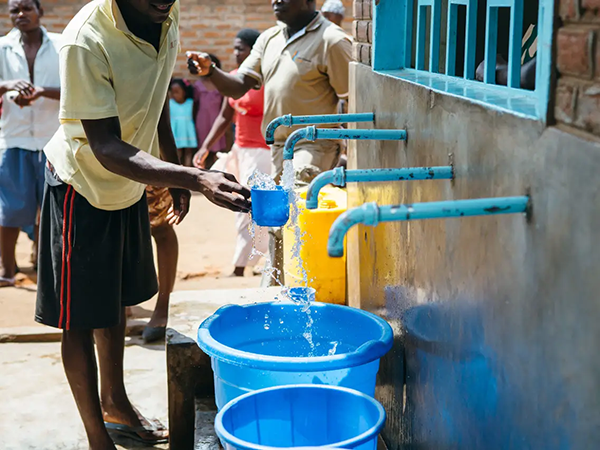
470	37
514	45
418	40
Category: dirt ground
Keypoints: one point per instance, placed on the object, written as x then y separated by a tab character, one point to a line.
206	244
36	406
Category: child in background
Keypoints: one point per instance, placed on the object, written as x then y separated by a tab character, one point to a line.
181	104
207	106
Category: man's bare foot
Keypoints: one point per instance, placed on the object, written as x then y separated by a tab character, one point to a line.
126	414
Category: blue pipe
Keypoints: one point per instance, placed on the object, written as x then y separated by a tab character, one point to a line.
340	176
289	121
371	214
313	133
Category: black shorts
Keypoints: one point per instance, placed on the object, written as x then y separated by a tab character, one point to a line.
92	262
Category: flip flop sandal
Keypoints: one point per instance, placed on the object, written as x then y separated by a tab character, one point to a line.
133	432
7	282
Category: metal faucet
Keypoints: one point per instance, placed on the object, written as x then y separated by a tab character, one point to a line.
371	214
340	176
289	121
313	133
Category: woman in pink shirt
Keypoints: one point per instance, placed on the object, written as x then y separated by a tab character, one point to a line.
248	154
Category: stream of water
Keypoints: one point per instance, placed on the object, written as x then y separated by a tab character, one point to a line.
262	181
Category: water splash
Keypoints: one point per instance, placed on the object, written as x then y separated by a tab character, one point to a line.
268	270
308	333
332	350
260	180
288	183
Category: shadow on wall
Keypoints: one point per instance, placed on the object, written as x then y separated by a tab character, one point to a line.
458	394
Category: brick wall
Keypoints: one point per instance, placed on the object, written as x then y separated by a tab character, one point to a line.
577	101
207	25
362	29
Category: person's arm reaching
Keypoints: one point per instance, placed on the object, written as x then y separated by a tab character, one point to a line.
219	127
87	75
168	151
234	86
117	156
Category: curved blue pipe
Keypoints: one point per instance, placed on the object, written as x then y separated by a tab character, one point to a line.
340	176
289	121
313	133
371	214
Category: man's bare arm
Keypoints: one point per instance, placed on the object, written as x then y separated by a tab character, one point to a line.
234	86
117	156
47	92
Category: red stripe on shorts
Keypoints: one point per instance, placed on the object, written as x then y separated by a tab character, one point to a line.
71	225
64	254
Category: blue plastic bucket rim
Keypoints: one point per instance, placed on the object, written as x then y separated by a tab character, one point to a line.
366	436
366	353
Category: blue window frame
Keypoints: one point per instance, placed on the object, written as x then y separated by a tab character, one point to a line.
410	44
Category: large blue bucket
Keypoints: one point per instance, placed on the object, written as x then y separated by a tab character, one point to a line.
301	416
265	344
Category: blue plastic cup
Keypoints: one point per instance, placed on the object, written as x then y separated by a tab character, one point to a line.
270	208
262	345
301	416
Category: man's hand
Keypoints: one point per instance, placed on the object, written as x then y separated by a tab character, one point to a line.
199	63
223	190
23	101
27	100
181	205
23	87
200	158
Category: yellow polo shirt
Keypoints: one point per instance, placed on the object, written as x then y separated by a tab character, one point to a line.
304	74
106	71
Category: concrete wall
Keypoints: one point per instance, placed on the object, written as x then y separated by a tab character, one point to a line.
207	25
517	298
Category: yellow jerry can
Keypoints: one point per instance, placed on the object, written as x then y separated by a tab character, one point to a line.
326	275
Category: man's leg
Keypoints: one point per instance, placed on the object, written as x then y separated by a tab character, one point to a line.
116	406
159	202
8	245
167	249
18	204
79	361
138	284
80	284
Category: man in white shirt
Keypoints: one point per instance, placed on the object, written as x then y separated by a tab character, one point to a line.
30	88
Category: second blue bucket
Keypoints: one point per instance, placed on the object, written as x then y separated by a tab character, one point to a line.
270	207
273	344
301	417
